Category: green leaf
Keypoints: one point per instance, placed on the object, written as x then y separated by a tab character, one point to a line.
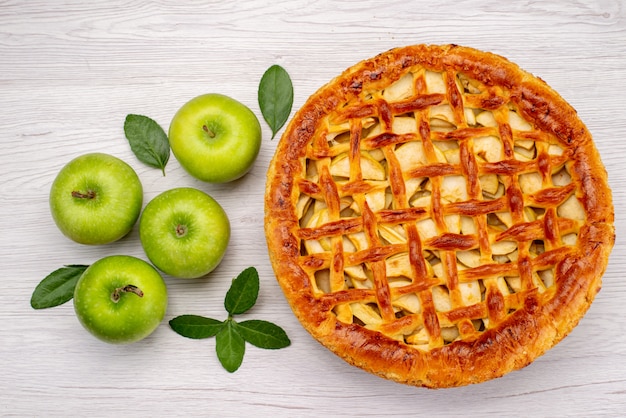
230	336
275	97
195	326
57	287
147	140
230	347
263	334
243	292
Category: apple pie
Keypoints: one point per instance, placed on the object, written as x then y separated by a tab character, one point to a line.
437	216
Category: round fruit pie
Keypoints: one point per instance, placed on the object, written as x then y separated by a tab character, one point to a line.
437	216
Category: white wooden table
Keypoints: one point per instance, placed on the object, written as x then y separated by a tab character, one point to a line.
71	71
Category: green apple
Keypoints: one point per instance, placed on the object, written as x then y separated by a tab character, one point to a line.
120	299
215	138
96	199
184	232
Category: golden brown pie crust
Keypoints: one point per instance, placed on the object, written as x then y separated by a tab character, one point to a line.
462	311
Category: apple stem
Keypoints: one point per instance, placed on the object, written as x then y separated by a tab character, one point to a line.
129	288
181	230
90	194
208	131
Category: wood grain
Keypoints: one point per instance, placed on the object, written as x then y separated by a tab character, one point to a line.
70	72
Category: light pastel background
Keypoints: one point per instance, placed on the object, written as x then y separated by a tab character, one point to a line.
71	70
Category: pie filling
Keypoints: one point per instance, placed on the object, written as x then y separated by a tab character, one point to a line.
430	209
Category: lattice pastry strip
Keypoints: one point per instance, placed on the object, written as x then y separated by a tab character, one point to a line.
431	198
